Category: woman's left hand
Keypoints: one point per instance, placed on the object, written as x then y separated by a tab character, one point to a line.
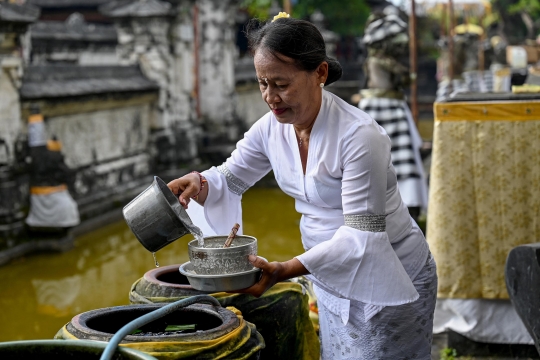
272	273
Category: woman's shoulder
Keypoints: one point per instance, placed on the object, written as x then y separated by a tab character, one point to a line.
350	121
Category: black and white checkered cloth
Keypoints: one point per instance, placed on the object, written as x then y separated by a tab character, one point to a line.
392	116
383	28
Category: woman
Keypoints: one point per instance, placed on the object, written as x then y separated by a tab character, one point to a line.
374	276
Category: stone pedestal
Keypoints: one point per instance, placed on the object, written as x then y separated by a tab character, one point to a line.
522	273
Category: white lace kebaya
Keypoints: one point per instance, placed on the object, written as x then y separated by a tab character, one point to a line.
360	241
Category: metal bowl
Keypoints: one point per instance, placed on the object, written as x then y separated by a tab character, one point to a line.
214	259
223	282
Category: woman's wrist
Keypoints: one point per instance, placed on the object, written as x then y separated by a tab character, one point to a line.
202	183
291	269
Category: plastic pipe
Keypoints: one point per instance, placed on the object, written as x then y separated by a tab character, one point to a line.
148	318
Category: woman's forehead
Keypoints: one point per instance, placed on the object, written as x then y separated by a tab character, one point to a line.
270	65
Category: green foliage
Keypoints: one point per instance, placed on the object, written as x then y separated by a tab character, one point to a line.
490	19
180	327
257	8
529	6
343	17
448	354
451	354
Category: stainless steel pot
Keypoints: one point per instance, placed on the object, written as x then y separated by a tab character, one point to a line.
157	218
214	259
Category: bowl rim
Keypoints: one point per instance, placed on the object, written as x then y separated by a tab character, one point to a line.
187	274
222	249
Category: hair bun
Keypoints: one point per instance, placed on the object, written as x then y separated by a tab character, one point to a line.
334	71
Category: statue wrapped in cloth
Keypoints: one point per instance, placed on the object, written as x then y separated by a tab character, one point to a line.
281	314
386	77
52	208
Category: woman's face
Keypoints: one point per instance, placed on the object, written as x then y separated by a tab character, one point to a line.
293	95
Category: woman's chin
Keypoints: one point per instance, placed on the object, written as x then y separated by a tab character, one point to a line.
284	118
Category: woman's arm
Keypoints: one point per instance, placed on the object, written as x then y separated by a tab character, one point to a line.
273	272
358	262
246	165
222	192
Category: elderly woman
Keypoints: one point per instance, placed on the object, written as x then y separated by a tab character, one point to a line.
373	273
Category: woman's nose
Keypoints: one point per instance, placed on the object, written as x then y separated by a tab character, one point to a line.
270	96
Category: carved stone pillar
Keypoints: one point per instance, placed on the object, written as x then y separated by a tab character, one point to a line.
158	36
143	38
14	21
216	63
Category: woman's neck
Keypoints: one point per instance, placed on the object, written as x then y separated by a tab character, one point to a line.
305	127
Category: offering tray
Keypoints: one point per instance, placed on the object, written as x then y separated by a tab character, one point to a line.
222	282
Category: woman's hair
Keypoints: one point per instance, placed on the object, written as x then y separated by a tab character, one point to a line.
296	39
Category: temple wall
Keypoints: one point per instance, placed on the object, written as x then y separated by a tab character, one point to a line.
250	106
107	149
10	114
95	137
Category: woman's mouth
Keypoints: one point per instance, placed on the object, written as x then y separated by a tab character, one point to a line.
279	111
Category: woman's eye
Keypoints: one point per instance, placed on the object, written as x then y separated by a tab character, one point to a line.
281	86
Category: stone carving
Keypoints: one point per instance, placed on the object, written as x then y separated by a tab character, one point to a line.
14	189
74	41
51	204
217	53
387	41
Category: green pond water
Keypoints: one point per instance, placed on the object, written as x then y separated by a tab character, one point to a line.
41	293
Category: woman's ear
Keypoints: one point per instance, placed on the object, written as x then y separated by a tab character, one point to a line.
322	72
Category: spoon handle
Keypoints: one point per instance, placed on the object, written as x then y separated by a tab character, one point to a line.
231	235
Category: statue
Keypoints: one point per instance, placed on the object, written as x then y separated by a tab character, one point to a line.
52	209
387	76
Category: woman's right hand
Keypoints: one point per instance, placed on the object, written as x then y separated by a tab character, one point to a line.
186	187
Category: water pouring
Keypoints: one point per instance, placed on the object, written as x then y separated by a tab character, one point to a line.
157	218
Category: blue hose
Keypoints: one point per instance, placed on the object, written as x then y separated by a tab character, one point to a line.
148	318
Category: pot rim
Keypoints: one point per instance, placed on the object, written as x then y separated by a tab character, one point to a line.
227	317
88	344
151	276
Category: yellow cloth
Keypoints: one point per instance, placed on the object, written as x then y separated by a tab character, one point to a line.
280	314
525	89
484	192
46	190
